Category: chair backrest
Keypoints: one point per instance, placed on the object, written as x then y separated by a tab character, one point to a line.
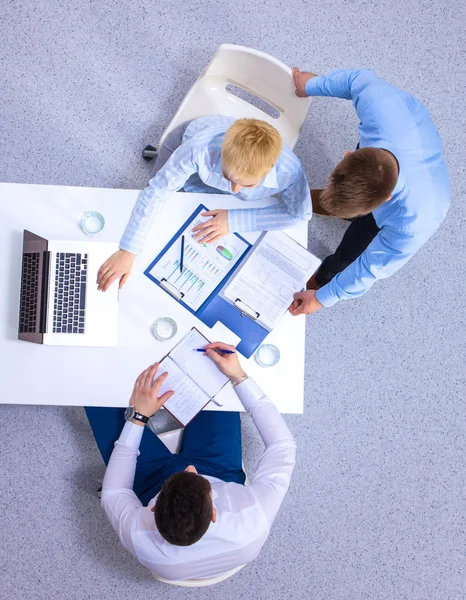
254	72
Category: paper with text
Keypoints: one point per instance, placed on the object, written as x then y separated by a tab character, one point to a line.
188	398
197	365
275	269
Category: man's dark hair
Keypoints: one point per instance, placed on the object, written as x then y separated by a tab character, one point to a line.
360	183
183	509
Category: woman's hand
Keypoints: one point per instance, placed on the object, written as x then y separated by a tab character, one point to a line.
214	228
118	266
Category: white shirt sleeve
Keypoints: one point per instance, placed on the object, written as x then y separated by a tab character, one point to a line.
120	503
271	479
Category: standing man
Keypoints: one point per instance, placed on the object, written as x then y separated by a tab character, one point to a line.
394	187
189	515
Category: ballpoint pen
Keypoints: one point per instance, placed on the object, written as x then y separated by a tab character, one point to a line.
219	350
182	254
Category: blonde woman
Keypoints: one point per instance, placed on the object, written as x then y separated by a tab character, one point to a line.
217	154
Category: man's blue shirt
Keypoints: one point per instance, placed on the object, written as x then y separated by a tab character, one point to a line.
398	122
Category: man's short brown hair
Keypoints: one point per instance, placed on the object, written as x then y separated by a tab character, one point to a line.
183	509
360	183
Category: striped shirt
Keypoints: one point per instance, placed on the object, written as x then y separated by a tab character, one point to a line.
196	166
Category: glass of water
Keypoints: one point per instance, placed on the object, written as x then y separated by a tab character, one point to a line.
267	355
164	328
92	222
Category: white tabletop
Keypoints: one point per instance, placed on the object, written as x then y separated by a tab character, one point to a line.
37	374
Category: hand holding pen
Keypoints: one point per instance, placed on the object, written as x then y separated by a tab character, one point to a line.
226	359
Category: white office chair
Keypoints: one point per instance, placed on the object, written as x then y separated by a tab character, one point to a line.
254	72
172	440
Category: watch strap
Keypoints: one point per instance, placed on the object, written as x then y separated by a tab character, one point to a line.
138	417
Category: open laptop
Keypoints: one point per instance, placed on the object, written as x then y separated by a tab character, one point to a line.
59	303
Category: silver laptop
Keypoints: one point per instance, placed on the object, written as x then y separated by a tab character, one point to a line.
59	303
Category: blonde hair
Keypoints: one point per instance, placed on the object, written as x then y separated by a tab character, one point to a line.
250	148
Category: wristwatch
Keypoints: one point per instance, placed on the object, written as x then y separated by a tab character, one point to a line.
131	414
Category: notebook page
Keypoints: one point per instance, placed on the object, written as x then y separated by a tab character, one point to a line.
197	365
276	269
188	398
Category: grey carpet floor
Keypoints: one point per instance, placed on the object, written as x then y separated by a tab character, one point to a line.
376	510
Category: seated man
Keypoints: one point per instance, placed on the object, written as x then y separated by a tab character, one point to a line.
394	187
216	154
189	515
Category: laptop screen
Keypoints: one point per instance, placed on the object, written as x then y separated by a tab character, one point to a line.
34	288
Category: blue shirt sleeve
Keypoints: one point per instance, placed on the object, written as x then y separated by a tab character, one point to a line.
361	86
387	253
170	178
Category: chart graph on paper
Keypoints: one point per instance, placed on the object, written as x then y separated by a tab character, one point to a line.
204	265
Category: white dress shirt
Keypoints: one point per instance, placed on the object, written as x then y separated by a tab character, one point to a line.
244	513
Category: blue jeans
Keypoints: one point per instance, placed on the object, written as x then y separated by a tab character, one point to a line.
211	443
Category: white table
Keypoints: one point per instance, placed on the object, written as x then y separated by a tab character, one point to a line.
37	374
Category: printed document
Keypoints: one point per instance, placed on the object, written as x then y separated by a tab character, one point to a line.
275	269
204	265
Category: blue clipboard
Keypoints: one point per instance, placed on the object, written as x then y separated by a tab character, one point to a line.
215	308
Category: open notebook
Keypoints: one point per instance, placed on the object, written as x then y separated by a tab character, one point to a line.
192	375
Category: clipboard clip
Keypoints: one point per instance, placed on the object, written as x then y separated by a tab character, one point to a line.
171	289
246	310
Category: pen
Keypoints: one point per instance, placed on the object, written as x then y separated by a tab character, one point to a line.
219	350
182	254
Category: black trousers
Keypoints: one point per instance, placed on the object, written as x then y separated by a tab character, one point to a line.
357	237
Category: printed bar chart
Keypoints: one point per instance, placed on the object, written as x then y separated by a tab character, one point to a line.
205	266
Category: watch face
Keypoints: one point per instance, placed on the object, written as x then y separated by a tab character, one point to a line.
129	413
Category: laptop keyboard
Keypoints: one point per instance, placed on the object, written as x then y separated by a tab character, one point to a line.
70	293
29	292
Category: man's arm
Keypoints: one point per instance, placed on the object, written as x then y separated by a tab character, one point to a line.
120	503
296	206
171	177
361	86
387	253
271	479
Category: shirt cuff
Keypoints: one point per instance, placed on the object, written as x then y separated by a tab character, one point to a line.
248	392
326	297
312	86
128	243
242	219
131	435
